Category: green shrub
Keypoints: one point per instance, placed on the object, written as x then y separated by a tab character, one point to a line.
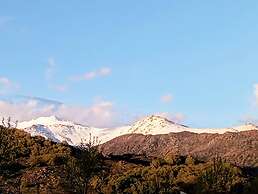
221	177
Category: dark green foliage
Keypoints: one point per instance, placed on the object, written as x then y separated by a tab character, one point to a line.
88	162
252	186
36	165
185	174
220	177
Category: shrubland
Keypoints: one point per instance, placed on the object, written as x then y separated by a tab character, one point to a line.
36	165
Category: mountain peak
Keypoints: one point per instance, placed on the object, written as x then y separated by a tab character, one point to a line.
155	124
50	120
155	118
252	124
54	128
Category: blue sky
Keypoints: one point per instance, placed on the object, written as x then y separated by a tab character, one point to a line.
196	58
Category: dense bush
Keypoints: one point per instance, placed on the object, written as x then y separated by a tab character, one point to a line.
220	177
34	162
82	168
164	176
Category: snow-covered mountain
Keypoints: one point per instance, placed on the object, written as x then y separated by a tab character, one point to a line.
159	125
60	130
156	125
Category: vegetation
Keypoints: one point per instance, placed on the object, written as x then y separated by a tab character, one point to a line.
83	167
36	165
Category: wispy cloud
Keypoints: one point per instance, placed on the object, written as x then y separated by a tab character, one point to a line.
50	69
60	88
6	85
256	93
50	76
102	72
5	82
166	98
4	20
248	118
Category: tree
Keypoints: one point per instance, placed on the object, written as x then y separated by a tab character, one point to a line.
220	177
7	143
85	165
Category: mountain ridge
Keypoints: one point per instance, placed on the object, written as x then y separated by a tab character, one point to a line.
63	130
238	148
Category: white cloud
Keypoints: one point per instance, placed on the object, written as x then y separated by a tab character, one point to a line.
50	76
23	111
6	85
5	82
102	72
98	114
256	93
166	98
101	114
89	75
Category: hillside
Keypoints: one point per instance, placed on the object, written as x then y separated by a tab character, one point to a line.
240	148
32	165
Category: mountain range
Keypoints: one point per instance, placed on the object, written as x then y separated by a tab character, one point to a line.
61	130
156	136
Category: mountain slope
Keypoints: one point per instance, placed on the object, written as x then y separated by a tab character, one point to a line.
240	148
